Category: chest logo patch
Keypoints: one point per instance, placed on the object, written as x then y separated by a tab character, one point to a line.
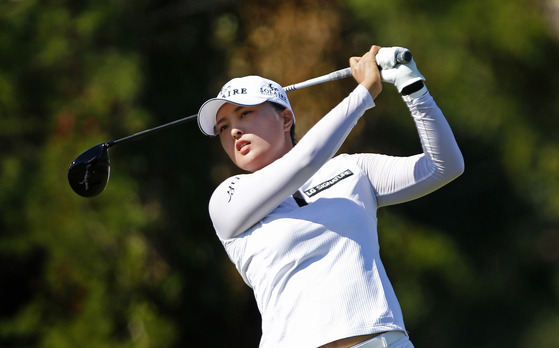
328	183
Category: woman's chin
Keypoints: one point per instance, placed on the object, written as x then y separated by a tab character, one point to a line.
250	165
254	161
245	164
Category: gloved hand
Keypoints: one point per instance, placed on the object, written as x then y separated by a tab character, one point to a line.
401	75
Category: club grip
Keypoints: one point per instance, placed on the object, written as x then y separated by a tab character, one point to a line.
336	75
339	74
404	57
389	57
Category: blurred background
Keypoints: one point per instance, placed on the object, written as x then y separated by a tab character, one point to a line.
474	264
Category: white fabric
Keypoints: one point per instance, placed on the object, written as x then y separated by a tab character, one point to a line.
391	339
315	270
387	57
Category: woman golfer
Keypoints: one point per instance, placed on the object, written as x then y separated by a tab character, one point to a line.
301	225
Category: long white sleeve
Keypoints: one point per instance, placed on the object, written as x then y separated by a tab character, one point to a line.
401	179
243	200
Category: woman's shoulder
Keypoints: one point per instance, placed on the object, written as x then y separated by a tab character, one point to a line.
352	158
340	163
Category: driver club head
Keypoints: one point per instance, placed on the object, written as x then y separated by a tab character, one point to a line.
88	174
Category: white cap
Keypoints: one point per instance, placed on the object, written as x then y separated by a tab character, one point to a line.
245	91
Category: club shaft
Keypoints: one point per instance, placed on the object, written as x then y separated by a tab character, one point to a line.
336	75
151	130
402	57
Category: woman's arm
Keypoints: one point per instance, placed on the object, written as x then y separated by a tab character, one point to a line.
401	179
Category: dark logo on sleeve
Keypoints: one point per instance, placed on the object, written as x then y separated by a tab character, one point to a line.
328	183
231	188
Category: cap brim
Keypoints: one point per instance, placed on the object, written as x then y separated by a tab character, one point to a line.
208	111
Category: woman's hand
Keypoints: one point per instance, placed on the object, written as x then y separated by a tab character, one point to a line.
365	71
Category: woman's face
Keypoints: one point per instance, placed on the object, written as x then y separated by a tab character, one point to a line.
254	136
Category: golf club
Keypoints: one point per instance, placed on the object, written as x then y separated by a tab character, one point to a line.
89	173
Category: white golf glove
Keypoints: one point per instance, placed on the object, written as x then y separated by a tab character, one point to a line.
400	75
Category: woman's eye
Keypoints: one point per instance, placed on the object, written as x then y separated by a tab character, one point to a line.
244	113
222	128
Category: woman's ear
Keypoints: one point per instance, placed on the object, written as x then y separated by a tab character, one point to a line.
287	117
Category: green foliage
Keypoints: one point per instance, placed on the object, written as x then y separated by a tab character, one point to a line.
139	265
89	268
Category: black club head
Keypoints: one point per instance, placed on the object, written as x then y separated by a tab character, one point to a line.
88	174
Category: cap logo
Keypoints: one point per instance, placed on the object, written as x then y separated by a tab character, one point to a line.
272	91
248	90
227	92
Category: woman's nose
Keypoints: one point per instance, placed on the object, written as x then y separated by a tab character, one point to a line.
236	133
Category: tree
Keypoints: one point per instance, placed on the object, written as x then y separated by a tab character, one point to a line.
140	265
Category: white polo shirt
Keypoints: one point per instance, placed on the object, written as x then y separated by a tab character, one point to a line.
315	268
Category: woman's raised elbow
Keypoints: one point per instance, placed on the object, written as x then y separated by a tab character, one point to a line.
456	168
